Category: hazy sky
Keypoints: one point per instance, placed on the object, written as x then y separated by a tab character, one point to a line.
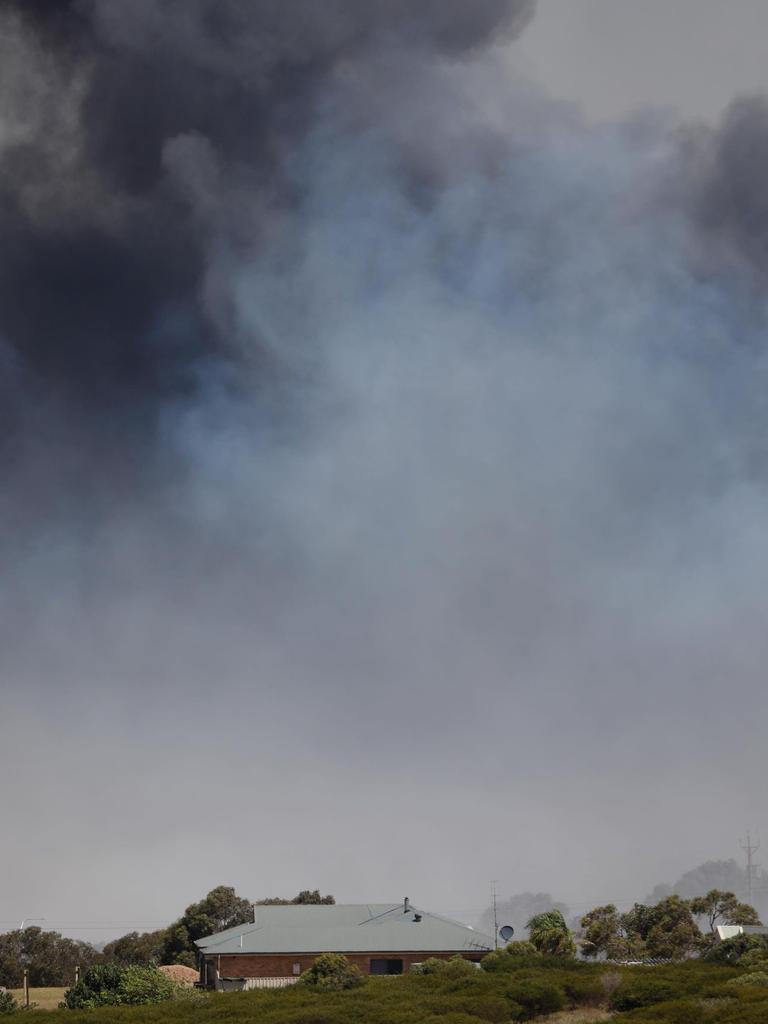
385	477
615	56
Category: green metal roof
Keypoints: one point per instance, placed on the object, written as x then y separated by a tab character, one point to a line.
346	928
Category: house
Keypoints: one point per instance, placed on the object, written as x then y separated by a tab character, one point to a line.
284	941
730	931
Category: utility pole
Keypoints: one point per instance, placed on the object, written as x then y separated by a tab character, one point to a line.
749	848
495	919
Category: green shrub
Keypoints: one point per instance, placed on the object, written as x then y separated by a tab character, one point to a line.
516	954
583	990
536	997
756	959
498	960
679	1011
7	1003
332	972
488	1008
454	1017
637	991
144	985
523	950
189	995
457	967
732	951
113	985
755	979
429	966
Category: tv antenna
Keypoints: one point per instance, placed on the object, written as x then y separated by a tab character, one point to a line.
495	918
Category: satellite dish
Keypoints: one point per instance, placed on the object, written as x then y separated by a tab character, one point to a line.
506	932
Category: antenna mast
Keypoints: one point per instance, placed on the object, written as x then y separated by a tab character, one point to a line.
749	848
495	918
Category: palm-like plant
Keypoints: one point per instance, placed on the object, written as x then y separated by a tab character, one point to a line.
550	934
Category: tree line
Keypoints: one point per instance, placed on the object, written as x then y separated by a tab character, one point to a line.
667	930
50	958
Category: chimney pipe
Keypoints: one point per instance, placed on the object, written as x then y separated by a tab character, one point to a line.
406	905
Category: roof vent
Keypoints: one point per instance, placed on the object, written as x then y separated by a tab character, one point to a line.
406	905
417	918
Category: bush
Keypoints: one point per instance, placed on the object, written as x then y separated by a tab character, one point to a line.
732	951
144	985
7	1003
189	995
535	997
516	954
429	966
755	959
457	967
757	979
679	1011
488	1008
332	972
584	990
523	950
636	991
498	960
113	985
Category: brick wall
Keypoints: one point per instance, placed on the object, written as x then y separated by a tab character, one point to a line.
280	965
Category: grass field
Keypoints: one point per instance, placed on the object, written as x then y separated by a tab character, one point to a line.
45	998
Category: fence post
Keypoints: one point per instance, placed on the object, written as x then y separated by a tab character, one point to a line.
26	988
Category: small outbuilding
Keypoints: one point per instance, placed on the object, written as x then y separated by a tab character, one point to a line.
379	938
730	931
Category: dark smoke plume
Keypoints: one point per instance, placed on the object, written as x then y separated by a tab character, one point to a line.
104	252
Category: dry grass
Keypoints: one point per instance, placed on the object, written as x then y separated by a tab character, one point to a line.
583	1015
45	998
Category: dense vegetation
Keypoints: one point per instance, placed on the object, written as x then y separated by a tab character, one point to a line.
669	929
113	985
49	957
521	989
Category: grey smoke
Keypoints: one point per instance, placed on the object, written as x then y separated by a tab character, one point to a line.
384	468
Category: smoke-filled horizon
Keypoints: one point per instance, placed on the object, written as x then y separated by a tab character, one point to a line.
384	472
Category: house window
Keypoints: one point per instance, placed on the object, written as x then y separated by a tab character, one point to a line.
297	968
386	966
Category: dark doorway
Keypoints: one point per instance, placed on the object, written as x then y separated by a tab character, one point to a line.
386	966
